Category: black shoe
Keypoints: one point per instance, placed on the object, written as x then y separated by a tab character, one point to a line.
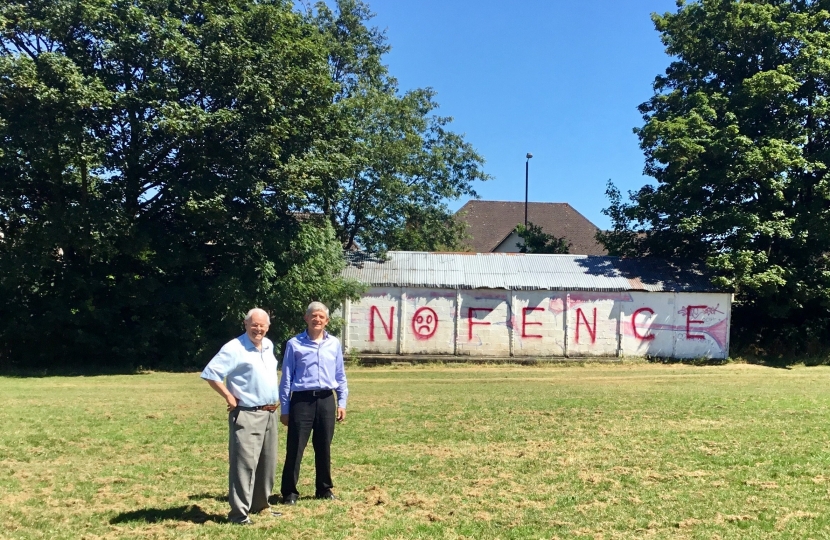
290	500
246	521
327	495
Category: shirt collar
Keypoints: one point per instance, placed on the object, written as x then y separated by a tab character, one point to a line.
249	345
304	335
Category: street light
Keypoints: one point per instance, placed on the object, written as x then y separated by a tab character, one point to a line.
527	168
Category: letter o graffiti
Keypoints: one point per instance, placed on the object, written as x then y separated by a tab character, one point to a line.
424	323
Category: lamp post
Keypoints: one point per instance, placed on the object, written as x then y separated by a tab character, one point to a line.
527	169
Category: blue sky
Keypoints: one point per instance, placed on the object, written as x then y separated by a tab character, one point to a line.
558	78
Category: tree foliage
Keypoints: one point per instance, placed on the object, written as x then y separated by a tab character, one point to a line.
166	165
535	240
153	156
390	164
737	139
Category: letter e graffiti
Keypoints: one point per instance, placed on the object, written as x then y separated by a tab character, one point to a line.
471	313
387	330
689	322
591	331
525	324
637	334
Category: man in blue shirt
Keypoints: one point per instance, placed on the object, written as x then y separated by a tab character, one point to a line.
312	372
244	372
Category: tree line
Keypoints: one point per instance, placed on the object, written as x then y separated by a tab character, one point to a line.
167	164
737	141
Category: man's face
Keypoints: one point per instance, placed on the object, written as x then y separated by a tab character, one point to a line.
316	320
256	327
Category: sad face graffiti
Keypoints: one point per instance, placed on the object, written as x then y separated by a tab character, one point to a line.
424	323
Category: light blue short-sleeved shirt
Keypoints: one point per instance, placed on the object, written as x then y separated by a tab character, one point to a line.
249	374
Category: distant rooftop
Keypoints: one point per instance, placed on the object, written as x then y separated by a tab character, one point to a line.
490	224
519	271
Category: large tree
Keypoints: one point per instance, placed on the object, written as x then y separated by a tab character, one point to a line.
390	164
737	139
153	156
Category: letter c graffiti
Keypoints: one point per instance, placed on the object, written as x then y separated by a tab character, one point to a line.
637	334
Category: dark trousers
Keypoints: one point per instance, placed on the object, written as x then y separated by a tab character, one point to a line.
315	416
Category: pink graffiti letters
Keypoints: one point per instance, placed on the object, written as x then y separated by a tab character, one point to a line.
637	328
471	313
386	329
697	311
647	337
693	311
592	331
424	323
525	322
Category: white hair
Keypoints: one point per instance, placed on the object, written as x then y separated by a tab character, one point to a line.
317	306
257	310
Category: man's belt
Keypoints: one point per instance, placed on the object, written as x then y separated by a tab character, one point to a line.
269	408
314	393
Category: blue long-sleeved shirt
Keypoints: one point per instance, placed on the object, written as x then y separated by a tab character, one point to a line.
307	365
251	373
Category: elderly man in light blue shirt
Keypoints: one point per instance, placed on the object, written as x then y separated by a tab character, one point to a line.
312	372
244	373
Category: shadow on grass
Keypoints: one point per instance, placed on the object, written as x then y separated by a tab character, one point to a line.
85	371
815	355
689	361
212	496
189	513
272	500
23	373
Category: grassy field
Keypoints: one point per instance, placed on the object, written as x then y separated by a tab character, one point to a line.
600	451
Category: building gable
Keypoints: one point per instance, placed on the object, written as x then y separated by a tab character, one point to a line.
490	224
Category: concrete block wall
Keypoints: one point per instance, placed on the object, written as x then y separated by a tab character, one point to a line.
538	323
501	323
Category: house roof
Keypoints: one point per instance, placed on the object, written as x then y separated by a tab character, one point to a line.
528	272
489	223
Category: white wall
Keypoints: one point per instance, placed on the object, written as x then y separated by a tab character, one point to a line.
483	323
538	323
508	245
500	323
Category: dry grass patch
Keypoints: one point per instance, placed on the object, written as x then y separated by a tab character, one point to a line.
627	451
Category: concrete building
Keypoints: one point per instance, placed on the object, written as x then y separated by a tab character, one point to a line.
517	305
491	226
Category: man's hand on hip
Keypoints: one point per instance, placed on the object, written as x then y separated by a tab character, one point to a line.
232	403
222	390
341	414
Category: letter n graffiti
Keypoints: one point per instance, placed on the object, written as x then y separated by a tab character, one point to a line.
592	331
386	329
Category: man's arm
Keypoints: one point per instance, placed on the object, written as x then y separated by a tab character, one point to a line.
217	369
285	382
222	390
342	384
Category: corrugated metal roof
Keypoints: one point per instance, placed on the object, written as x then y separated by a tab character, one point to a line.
516	271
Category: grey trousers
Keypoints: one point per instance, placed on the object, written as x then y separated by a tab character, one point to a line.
252	452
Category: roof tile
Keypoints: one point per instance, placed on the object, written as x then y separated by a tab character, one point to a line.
490	222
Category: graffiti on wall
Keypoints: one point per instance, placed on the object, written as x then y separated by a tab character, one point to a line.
665	324
424	323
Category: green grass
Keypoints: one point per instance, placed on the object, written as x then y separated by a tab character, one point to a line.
599	451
